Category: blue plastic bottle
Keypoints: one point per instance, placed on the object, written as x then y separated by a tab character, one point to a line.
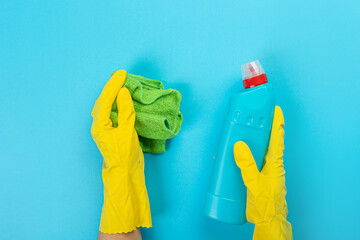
249	119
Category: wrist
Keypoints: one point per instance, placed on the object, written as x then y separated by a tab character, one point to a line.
278	228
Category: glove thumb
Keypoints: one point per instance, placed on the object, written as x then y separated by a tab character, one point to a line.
126	112
245	161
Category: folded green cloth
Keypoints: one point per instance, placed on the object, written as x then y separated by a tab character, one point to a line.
157	112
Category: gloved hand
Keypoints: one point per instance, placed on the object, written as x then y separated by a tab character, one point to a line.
126	204
266	205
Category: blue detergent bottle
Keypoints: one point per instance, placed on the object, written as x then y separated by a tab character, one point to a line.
248	119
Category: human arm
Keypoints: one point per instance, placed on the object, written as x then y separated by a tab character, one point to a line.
134	235
126	205
266	205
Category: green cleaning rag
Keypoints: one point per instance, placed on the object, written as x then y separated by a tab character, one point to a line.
157	112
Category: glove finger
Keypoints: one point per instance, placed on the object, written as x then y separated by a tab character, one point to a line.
102	109
246	162
126	111
274	156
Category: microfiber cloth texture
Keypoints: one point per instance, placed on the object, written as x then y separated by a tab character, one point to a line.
157	112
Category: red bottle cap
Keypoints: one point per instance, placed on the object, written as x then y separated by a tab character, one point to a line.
253	74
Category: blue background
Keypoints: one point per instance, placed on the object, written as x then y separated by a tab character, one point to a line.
55	57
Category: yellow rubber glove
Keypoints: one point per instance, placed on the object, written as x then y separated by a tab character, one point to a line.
126	204
266	205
